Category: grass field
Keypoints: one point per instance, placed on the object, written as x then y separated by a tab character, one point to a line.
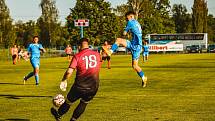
181	88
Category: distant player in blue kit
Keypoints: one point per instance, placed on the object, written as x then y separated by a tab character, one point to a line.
145	51
34	50
135	45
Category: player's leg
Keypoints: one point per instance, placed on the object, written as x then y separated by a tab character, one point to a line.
63	109
144	56
72	96
35	62
103	59
79	110
136	67
31	73
28	76
139	71
85	99
14	59
68	57
119	41
36	74
147	56
108	59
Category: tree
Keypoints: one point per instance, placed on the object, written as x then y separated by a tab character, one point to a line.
182	19
199	18
103	23
48	22
136	6
153	15
211	28
25	32
7	35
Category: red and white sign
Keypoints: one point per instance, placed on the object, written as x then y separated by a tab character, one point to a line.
167	47
81	22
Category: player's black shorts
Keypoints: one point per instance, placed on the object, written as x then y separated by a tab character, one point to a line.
85	95
106	58
68	54
14	57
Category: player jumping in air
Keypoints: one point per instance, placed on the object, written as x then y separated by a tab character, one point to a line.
145	51
135	45
104	54
87	65
34	50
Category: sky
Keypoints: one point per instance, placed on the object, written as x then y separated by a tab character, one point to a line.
26	10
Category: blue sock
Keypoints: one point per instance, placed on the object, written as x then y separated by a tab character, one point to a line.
114	47
141	74
29	75
37	78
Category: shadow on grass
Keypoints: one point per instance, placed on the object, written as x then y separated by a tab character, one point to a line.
166	66
22	96
7	83
15	119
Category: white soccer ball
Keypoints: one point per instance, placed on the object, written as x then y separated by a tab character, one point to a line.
58	100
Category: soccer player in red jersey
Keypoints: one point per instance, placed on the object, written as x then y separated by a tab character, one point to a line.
87	64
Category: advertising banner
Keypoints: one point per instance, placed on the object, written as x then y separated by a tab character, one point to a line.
166	47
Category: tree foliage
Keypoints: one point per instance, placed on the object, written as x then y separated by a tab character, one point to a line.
25	32
106	23
153	15
211	28
182	19
103	23
48	22
200	13
7	36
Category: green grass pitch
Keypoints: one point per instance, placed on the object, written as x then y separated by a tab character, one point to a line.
181	88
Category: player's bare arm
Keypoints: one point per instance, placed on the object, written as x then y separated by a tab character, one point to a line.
43	50
66	76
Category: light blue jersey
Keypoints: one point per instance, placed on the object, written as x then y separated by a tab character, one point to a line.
145	50
135	45
134	27
34	49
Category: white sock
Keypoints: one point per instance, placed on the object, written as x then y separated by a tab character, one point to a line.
111	51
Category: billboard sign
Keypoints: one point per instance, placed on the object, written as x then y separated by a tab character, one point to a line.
81	22
165	47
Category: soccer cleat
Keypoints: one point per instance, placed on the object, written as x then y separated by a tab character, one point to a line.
55	114
144	82
107	50
24	80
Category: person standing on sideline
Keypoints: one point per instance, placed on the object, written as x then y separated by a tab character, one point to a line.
14	53
34	50
135	45
104	54
87	64
68	52
145	51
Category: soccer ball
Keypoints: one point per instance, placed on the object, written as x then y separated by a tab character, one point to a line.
58	100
